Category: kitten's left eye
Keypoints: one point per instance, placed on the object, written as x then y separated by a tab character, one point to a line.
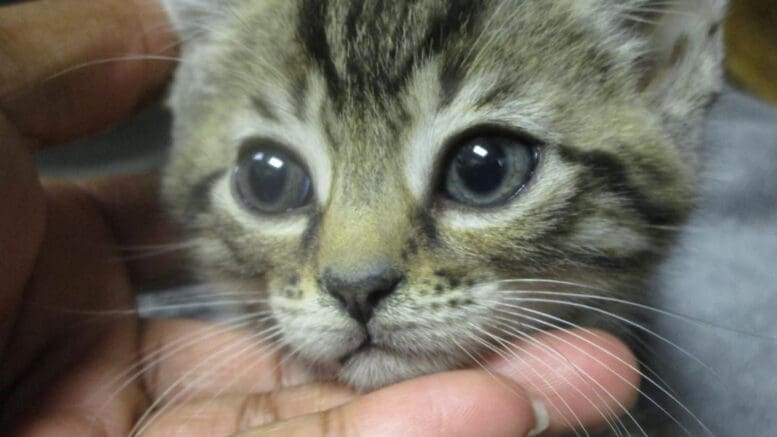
488	170
269	180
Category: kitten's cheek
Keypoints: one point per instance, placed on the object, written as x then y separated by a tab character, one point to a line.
21	221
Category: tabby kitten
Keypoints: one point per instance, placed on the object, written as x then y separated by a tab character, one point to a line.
396	176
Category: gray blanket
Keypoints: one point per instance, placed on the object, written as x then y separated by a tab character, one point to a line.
724	272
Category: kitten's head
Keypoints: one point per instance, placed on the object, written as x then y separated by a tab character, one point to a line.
389	174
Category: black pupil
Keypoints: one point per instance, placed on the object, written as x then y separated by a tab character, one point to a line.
481	166
268	174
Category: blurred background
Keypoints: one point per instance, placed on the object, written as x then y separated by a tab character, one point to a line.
751	42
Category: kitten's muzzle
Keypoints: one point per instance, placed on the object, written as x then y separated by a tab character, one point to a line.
360	294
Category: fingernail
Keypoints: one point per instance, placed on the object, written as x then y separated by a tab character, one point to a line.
541	419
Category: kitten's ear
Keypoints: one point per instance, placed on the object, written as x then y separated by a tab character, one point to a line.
679	66
192	18
683	46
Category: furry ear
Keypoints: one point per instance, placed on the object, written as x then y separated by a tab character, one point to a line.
675	55
682	43
680	63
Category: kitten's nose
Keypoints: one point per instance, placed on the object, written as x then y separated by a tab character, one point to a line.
360	294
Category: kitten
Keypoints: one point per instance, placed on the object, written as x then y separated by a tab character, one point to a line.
395	176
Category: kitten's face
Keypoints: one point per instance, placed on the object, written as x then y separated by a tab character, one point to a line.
384	172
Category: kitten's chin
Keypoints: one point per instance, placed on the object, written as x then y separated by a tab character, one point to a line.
373	368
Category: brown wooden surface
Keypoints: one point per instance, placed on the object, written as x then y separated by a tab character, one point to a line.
751	41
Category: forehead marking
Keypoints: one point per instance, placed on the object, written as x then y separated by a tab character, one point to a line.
263	108
312	32
299	93
374	64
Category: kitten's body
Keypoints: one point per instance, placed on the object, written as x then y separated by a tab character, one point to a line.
370	95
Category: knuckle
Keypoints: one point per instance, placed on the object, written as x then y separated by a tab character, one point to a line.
333	423
257	410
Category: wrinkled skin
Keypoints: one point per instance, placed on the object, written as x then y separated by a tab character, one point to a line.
59	243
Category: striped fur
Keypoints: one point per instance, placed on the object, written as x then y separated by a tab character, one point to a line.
369	93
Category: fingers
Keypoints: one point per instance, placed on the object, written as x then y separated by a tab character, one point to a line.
53	85
21	230
195	360
586	378
73	274
229	414
462	403
90	397
65	352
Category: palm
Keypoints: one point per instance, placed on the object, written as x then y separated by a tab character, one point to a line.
100	367
61	358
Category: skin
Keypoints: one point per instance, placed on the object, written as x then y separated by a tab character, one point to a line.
55	238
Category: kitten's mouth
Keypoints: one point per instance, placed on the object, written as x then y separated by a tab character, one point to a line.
367	345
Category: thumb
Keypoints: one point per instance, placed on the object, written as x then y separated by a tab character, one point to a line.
461	403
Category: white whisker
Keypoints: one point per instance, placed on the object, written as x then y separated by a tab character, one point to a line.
607	352
153	358
125	58
224	353
619	318
542	377
510	322
674	315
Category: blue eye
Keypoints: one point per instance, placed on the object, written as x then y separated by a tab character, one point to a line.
269	180
489	170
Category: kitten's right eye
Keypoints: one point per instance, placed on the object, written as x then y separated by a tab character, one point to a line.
269	180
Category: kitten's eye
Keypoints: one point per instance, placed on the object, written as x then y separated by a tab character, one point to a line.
271	181
488	170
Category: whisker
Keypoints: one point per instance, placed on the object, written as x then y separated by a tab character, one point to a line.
671	314
579	371
486	369
184	293
209	303
146	254
509	326
226	353
620	318
581	338
214	303
280	362
125	58
642	374
648	350
540	376
154	357
146	247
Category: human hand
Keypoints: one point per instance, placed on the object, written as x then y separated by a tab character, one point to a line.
63	372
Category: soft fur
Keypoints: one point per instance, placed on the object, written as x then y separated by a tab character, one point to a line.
369	94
